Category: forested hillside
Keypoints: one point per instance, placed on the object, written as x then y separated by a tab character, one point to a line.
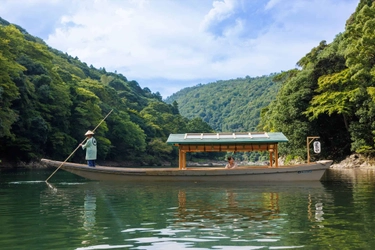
48	100
332	94
231	105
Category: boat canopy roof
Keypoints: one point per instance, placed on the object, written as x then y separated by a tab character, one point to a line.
227	138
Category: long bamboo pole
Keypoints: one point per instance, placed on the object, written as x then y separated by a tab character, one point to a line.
78	146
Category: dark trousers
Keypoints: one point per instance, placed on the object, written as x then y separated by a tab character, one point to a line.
91	163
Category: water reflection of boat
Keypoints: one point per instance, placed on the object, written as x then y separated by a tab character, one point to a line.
237	205
232	207
211	211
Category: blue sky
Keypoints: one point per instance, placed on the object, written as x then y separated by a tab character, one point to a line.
167	45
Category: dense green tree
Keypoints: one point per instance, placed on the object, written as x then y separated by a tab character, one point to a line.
127	138
197	125
347	90
331	95
8	89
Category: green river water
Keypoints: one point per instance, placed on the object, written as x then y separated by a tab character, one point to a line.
73	213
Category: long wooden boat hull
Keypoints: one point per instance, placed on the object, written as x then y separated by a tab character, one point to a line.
303	172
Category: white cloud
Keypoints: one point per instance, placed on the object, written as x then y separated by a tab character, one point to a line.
272	3
220	11
167	44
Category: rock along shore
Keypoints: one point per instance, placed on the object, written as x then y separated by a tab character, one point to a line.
355	161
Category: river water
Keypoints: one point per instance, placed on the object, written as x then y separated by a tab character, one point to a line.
70	212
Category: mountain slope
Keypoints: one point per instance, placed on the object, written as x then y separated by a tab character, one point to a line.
231	105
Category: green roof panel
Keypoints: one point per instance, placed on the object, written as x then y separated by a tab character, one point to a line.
227	138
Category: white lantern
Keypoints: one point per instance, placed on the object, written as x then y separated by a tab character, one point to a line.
316	147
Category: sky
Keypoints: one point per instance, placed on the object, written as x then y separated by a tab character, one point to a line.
167	45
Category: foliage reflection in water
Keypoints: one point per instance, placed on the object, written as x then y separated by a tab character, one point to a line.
72	213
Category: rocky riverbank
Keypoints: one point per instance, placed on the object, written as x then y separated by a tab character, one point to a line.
355	161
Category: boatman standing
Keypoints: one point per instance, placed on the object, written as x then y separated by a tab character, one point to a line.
90	147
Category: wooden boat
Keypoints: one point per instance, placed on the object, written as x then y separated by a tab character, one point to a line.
305	172
209	142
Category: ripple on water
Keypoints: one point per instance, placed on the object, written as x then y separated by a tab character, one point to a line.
103	247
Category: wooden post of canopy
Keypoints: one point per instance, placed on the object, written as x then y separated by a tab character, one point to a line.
181	158
309	140
276	155
184	159
180	164
271	161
